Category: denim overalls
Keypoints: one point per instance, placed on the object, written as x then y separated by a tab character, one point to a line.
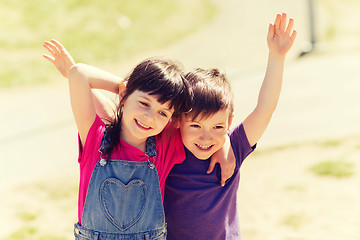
123	200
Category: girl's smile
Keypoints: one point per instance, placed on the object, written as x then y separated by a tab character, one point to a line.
143	117
142	125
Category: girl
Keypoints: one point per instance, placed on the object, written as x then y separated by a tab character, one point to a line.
123	166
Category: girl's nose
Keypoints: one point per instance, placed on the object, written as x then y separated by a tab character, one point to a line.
150	115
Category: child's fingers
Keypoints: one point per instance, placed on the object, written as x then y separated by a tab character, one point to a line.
51	59
293	35
271	31
51	48
277	21
225	175
283	22
211	166
290	26
57	44
47	46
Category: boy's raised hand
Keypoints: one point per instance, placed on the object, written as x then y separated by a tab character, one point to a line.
281	35
61	58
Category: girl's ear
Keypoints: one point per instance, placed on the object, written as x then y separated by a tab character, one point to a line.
231	117
122	90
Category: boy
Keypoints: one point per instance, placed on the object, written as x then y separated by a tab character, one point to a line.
196	207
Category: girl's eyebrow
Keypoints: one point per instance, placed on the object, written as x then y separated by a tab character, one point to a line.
150	100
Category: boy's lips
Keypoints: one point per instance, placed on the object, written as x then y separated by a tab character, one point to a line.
142	125
204	147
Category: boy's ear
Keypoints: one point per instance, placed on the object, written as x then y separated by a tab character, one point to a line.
176	122
231	117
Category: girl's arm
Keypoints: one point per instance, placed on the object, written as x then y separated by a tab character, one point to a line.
280	39
82	78
226	158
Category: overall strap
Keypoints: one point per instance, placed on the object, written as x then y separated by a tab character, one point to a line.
150	151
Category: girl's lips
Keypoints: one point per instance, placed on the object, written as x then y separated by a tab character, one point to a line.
141	125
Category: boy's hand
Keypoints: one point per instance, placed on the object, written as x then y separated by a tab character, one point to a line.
226	158
61	58
280	37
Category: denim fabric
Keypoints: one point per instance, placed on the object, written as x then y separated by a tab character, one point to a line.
123	201
82	233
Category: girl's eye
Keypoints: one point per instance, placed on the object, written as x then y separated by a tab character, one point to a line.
163	114
144	104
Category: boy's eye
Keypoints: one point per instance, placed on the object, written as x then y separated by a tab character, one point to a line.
219	127
144	104
195	125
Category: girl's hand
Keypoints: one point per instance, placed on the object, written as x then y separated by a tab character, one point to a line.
226	158
280	37
61	58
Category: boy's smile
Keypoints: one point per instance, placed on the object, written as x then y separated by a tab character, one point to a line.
204	136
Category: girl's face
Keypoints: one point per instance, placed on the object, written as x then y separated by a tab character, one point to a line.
143	116
204	136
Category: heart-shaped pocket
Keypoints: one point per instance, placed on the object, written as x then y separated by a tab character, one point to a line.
123	204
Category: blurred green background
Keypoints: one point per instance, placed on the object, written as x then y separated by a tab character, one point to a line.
94	31
302	182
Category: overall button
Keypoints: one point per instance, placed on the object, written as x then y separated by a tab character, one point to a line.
103	162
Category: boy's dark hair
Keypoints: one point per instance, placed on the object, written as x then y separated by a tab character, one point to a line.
156	76
210	93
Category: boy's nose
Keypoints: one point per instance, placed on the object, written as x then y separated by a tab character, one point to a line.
205	136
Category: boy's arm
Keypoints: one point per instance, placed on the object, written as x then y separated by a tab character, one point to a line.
280	39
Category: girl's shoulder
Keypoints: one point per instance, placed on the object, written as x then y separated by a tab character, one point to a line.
93	140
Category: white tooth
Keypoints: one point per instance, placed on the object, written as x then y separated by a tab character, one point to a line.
142	125
203	147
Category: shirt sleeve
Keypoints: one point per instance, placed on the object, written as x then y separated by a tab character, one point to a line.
240	144
170	151
92	142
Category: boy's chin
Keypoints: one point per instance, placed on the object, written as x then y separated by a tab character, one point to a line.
202	156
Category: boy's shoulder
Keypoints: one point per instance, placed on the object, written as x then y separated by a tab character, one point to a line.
240	142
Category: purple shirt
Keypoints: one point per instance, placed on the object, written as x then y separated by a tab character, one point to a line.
196	206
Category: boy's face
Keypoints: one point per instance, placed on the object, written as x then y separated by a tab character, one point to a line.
204	136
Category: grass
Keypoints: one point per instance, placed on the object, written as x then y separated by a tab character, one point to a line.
31	233
93	31
337	168
295	187
294	220
27	216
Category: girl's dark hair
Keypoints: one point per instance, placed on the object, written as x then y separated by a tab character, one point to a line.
156	76
210	93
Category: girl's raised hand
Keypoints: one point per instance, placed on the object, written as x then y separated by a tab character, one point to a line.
281	35
61	58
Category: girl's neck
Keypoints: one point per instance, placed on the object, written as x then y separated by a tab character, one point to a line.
135	142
